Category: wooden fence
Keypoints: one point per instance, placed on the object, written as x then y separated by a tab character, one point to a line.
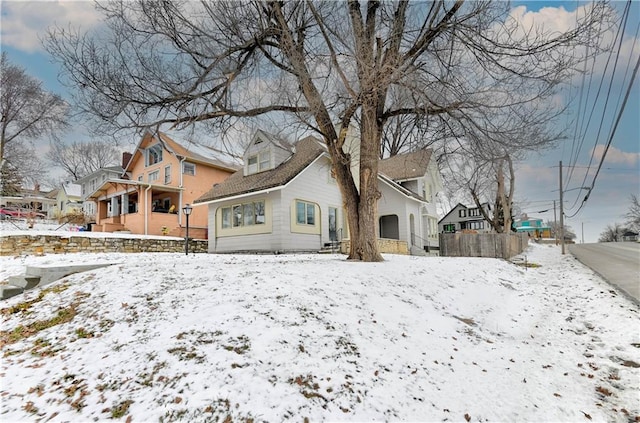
482	245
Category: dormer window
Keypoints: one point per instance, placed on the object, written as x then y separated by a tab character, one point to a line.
258	162
153	155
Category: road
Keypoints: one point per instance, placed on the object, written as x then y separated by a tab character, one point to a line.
617	262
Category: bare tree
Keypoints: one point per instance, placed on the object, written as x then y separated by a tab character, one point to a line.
324	64
633	215
569	233
612	233
27	112
79	159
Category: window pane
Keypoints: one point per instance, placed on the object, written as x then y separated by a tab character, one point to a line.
237	215
248	214
259	207
300	211
311	214
252	160
226	217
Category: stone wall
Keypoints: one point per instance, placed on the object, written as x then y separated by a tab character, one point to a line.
387	246
55	244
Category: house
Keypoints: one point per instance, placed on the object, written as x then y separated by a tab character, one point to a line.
68	200
31	199
629	236
286	199
92	181
535	227
463	218
160	178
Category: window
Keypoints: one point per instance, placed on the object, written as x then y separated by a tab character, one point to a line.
167	175
451	227
462	213
305	213
259	162
474	212
140	178
153	155
153	176
246	214
189	168
476	225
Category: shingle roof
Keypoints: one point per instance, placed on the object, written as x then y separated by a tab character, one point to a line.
306	151
406	166
202	153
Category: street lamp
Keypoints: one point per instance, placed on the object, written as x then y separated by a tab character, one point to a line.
187	211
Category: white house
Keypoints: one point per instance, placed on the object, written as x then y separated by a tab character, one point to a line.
463	218
90	183
285	199
68	200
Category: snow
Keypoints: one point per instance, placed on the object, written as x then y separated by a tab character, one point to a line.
270	338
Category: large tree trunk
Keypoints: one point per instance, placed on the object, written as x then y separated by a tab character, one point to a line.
367	246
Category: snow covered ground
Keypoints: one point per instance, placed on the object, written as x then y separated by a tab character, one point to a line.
294	337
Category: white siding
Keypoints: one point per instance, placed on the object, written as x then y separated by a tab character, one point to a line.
393	202
314	185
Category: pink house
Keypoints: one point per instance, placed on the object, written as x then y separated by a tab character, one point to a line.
159	179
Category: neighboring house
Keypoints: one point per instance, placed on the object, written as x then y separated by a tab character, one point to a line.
92	181
32	199
161	177
463	218
533	226
68	200
286	199
629	236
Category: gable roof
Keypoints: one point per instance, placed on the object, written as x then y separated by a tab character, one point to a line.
189	150
278	142
113	169
406	166
307	151
72	190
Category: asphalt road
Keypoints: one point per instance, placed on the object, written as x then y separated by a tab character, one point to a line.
617	262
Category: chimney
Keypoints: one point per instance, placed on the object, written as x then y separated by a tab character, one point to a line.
36	187
126	157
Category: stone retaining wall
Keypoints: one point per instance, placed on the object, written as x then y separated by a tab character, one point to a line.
388	246
53	244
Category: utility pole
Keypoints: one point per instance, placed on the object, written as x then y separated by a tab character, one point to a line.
582	233
555	223
561	213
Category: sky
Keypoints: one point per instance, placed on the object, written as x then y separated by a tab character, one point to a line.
291	337
23	24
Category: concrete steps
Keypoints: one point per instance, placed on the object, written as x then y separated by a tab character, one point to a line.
39	276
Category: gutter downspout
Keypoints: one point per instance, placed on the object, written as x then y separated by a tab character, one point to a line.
146	210
181	190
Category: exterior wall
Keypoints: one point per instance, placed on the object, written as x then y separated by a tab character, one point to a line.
314	185
279	233
65	204
392	202
56	244
453	217
256	238
181	189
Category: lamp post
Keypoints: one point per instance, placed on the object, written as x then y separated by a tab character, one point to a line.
187	211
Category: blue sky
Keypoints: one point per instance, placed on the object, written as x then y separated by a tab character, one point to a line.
23	23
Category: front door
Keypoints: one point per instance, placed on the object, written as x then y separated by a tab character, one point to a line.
333	228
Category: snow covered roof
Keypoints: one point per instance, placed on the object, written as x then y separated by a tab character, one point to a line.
72	190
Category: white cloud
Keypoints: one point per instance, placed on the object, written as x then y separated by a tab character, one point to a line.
615	155
24	23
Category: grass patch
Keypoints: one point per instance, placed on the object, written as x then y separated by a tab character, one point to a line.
25	306
121	409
